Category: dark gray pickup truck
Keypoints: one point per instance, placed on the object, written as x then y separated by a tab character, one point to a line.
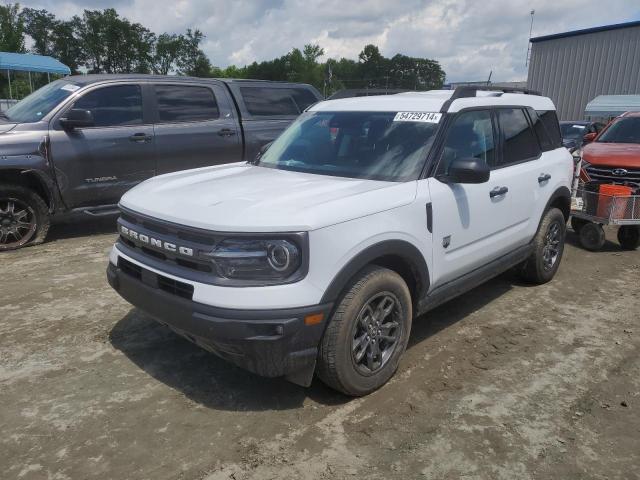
79	143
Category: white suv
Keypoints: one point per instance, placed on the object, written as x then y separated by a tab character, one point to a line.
360	217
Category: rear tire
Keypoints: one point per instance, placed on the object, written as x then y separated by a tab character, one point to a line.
592	237
367	333
24	217
548	247
629	237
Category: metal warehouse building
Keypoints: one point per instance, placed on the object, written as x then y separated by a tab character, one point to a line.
575	67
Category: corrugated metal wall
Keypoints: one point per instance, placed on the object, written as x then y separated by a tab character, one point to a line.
574	70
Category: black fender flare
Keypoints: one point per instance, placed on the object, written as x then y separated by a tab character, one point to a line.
561	193
397	248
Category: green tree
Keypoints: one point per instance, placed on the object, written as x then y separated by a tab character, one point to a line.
192	60
167	51
40	26
66	45
11	29
113	44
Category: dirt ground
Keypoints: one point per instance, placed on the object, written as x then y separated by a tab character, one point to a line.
508	382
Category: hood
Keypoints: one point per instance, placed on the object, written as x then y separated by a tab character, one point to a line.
245	198
612	154
5	127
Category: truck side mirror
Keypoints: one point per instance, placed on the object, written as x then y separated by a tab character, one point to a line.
467	170
77	118
590	137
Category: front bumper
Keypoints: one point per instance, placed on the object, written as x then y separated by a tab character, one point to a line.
271	343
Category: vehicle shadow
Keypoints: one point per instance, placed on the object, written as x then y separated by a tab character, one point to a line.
217	384
81	226
609	245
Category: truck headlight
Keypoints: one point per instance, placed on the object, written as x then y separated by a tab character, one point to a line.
256	259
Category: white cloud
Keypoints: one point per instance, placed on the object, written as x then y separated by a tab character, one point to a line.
470	38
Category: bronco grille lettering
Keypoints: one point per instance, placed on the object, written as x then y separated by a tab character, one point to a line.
156	242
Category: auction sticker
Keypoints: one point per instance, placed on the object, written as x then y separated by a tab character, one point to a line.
428	117
70	87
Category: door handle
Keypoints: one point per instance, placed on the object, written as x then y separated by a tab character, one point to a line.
226	132
498	191
544	177
140	137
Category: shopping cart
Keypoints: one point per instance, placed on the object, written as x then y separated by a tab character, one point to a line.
594	205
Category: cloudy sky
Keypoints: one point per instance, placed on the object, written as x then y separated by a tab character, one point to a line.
470	38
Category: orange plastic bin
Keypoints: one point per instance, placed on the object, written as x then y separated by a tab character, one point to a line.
611	201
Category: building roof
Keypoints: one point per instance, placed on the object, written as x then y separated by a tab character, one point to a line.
585	31
27	62
612	105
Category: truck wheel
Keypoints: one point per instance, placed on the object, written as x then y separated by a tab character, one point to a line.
24	217
548	246
367	333
577	224
592	236
629	237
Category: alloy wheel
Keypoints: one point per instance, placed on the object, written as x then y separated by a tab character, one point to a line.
17	222
376	333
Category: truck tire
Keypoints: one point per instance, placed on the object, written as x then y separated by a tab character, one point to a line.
24	217
548	246
629	237
367	333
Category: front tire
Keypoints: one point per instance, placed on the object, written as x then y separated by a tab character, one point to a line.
548	247
367	333
24	217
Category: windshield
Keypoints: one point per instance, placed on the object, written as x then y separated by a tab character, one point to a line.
624	130
389	146
572	131
39	103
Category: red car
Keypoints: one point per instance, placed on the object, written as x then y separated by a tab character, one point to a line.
614	154
613	157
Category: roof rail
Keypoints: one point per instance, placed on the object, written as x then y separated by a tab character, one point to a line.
468	91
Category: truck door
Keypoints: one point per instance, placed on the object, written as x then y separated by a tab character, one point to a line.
472	223
95	165
195	126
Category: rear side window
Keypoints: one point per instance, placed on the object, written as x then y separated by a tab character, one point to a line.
113	106
541	132
272	101
552	126
519	141
177	103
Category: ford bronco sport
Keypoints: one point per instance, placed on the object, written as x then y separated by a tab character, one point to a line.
364	214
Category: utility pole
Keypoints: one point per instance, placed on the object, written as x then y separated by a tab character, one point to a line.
526	63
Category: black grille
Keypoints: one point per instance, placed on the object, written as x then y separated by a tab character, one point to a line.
606	174
169	285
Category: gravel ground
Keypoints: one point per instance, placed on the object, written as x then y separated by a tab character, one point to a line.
510	381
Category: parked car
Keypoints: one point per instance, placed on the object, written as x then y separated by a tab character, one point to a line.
362	215
365	92
79	143
613	156
574	133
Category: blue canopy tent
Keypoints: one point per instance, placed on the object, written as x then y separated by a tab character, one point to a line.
26	62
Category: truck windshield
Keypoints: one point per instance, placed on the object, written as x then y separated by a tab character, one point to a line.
39	103
390	146
625	130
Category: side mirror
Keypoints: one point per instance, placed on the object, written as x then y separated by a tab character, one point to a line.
77	118
468	170
590	137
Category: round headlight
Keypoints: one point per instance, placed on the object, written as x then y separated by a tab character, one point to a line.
279	257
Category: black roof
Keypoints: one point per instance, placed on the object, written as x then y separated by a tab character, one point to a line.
584	31
102	77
